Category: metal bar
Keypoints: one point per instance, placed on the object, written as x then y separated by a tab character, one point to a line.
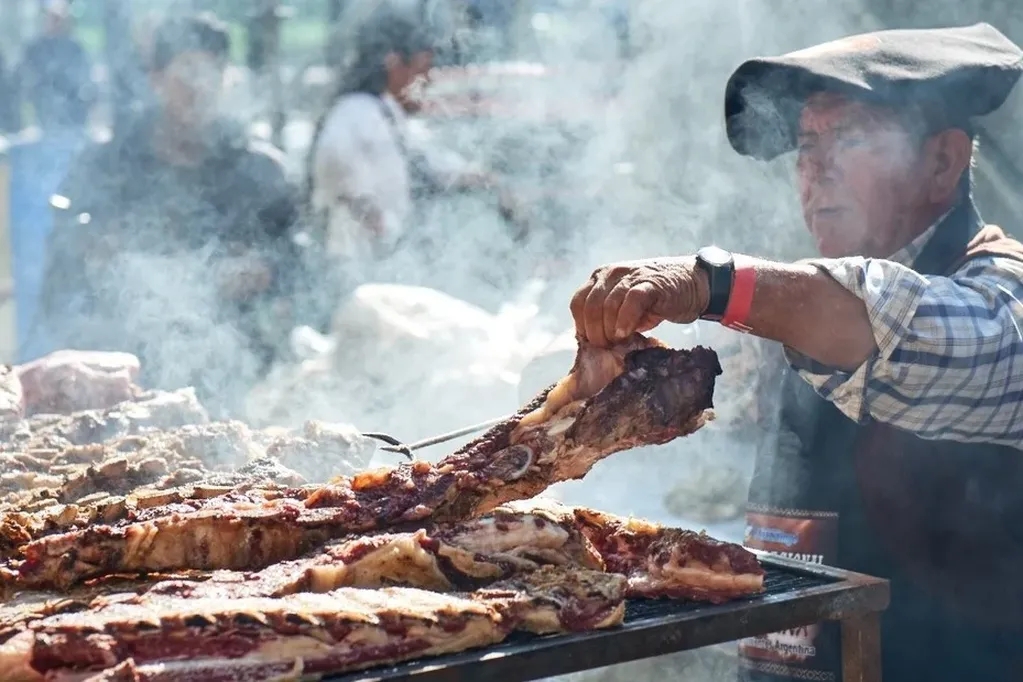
839	596
444	437
861	648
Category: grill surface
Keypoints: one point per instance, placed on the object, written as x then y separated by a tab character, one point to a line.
776	582
794	594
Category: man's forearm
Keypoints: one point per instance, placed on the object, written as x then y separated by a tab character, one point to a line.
804	308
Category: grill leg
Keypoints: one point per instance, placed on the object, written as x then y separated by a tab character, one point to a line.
861	648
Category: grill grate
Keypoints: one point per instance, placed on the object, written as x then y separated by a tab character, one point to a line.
777	581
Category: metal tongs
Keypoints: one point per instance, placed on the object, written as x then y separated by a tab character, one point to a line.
395	445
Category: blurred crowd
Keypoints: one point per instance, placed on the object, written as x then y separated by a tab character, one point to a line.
184	240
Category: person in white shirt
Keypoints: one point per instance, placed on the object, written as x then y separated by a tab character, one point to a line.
369	159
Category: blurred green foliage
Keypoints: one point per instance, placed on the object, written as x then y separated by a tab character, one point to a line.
303	34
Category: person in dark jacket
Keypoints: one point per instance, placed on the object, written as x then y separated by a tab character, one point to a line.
173	240
55	73
900	443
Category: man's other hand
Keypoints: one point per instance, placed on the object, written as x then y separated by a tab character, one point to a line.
636	296
70	380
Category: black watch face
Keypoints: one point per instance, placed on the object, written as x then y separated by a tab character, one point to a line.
715	256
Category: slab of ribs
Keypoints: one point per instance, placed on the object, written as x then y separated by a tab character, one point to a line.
264	578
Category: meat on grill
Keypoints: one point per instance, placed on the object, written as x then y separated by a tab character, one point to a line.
448	557
45	434
514	539
79	485
346	629
658	561
657	394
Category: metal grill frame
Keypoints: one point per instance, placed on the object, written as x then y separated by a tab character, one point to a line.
854	599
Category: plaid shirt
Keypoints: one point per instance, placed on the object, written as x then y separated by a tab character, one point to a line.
949	359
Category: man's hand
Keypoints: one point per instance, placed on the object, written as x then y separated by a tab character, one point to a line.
69	380
636	296
789	302
243	277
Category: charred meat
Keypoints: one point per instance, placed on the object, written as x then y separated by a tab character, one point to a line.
345	629
659	561
657	395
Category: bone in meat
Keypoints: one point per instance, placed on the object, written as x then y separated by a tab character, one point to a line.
514	539
58	490
659	395
468	555
343	630
659	561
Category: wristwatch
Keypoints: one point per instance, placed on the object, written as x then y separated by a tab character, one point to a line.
720	268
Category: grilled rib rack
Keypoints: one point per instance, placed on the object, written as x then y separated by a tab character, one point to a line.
796	594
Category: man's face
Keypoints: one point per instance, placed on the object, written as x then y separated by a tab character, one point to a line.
406	77
189	88
861	179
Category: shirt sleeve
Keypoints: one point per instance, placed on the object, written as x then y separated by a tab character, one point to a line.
949	358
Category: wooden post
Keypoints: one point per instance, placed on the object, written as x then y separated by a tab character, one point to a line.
861	648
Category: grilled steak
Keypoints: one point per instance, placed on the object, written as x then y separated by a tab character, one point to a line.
345	629
467	555
77	486
657	394
659	561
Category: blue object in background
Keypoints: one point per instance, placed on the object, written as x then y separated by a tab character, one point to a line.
37	168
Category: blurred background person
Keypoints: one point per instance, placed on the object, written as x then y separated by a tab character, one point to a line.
172	241
55	74
368	164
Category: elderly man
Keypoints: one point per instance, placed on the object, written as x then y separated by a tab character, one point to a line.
899	452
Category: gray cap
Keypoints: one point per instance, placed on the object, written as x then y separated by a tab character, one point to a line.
952	74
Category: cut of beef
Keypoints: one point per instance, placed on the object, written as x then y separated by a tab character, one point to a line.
462	556
345	629
512	540
659	561
658	394
75	486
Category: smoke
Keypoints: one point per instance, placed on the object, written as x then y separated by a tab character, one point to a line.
613	135
619	151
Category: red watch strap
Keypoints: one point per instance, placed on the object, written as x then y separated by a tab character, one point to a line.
741	299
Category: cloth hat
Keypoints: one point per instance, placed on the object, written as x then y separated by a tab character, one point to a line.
953	74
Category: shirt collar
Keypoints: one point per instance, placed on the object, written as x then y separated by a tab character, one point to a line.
908	253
